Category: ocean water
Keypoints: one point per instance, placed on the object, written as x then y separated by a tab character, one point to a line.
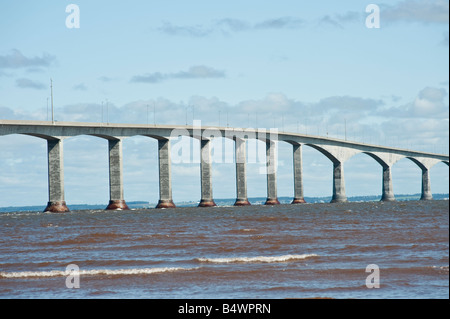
254	252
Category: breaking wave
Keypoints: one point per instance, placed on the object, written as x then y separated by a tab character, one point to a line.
109	272
260	259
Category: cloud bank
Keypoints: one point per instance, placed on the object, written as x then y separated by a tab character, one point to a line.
419	11
390	122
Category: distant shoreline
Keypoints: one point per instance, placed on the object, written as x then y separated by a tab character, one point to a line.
222	202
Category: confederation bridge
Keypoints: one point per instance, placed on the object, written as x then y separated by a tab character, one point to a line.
336	150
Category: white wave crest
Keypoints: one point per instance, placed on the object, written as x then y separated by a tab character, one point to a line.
260	259
58	273
444	268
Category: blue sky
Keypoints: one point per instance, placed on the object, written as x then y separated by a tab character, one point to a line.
297	66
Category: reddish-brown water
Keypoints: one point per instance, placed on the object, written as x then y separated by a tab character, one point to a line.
285	251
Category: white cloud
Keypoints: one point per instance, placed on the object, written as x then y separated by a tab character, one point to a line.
231	25
80	87
280	23
25	83
191	31
16	60
106	78
423	11
360	119
194	72
429	103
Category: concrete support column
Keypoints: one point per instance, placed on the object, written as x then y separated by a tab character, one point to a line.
338	183
298	171
271	166
165	178
116	198
426	185
56	202
387	191
241	176
206	174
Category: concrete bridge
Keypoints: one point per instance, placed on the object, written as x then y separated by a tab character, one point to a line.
336	150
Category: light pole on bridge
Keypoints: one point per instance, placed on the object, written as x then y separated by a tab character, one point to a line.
51	95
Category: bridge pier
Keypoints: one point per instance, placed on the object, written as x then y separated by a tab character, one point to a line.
116	198
241	175
338	183
426	185
56	202
298	172
271	168
387	191
165	178
206	174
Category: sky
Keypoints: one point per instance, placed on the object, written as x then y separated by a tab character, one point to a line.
311	67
